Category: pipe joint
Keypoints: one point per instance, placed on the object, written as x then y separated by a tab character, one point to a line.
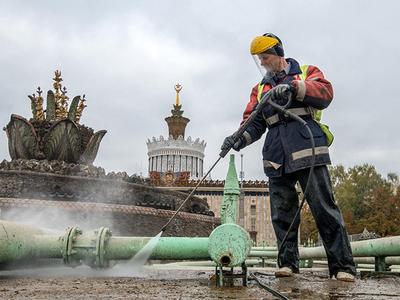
103	237
68	252
89	247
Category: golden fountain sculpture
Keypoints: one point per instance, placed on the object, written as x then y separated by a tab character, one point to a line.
54	133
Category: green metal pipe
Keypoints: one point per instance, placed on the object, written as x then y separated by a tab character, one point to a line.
366	266
389	260
359	265
262	253
266	248
209	263
20	242
47	246
228	244
392	260
388	246
382	247
168	248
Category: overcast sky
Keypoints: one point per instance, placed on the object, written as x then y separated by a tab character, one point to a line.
126	57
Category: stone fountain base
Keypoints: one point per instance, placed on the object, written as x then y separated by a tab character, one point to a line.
57	194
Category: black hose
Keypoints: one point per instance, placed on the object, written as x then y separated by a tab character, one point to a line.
266	287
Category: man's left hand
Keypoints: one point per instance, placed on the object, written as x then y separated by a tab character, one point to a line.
282	93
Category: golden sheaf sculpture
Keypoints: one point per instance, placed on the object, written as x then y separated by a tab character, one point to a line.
54	133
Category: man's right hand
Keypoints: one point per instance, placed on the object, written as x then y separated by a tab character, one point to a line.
230	142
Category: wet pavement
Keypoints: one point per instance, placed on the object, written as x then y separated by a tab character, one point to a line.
83	283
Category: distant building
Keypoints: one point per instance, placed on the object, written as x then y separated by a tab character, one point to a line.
175	158
177	164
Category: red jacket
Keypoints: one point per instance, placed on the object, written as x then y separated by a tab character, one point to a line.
287	144
314	91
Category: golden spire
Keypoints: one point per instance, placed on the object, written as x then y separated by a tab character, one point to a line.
178	88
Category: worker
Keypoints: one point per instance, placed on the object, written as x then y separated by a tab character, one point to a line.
287	154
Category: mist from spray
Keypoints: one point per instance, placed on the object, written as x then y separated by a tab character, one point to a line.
55	219
140	258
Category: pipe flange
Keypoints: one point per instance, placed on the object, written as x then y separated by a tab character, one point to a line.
68	251
103	236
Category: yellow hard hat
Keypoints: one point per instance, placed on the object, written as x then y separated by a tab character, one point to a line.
262	43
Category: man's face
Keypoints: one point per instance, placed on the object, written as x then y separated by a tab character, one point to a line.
270	62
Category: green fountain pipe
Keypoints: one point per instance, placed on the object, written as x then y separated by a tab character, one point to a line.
389	260
231	194
20	242
388	246
266	248
261	253
168	248
208	263
229	243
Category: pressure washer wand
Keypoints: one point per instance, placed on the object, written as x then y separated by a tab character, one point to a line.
237	135
190	195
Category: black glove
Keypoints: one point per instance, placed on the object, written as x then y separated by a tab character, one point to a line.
282	93
230	142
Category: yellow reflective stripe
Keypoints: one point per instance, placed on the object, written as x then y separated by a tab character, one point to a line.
328	134
303	74
260	90
316	113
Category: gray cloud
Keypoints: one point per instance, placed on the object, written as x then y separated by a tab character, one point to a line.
127	55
